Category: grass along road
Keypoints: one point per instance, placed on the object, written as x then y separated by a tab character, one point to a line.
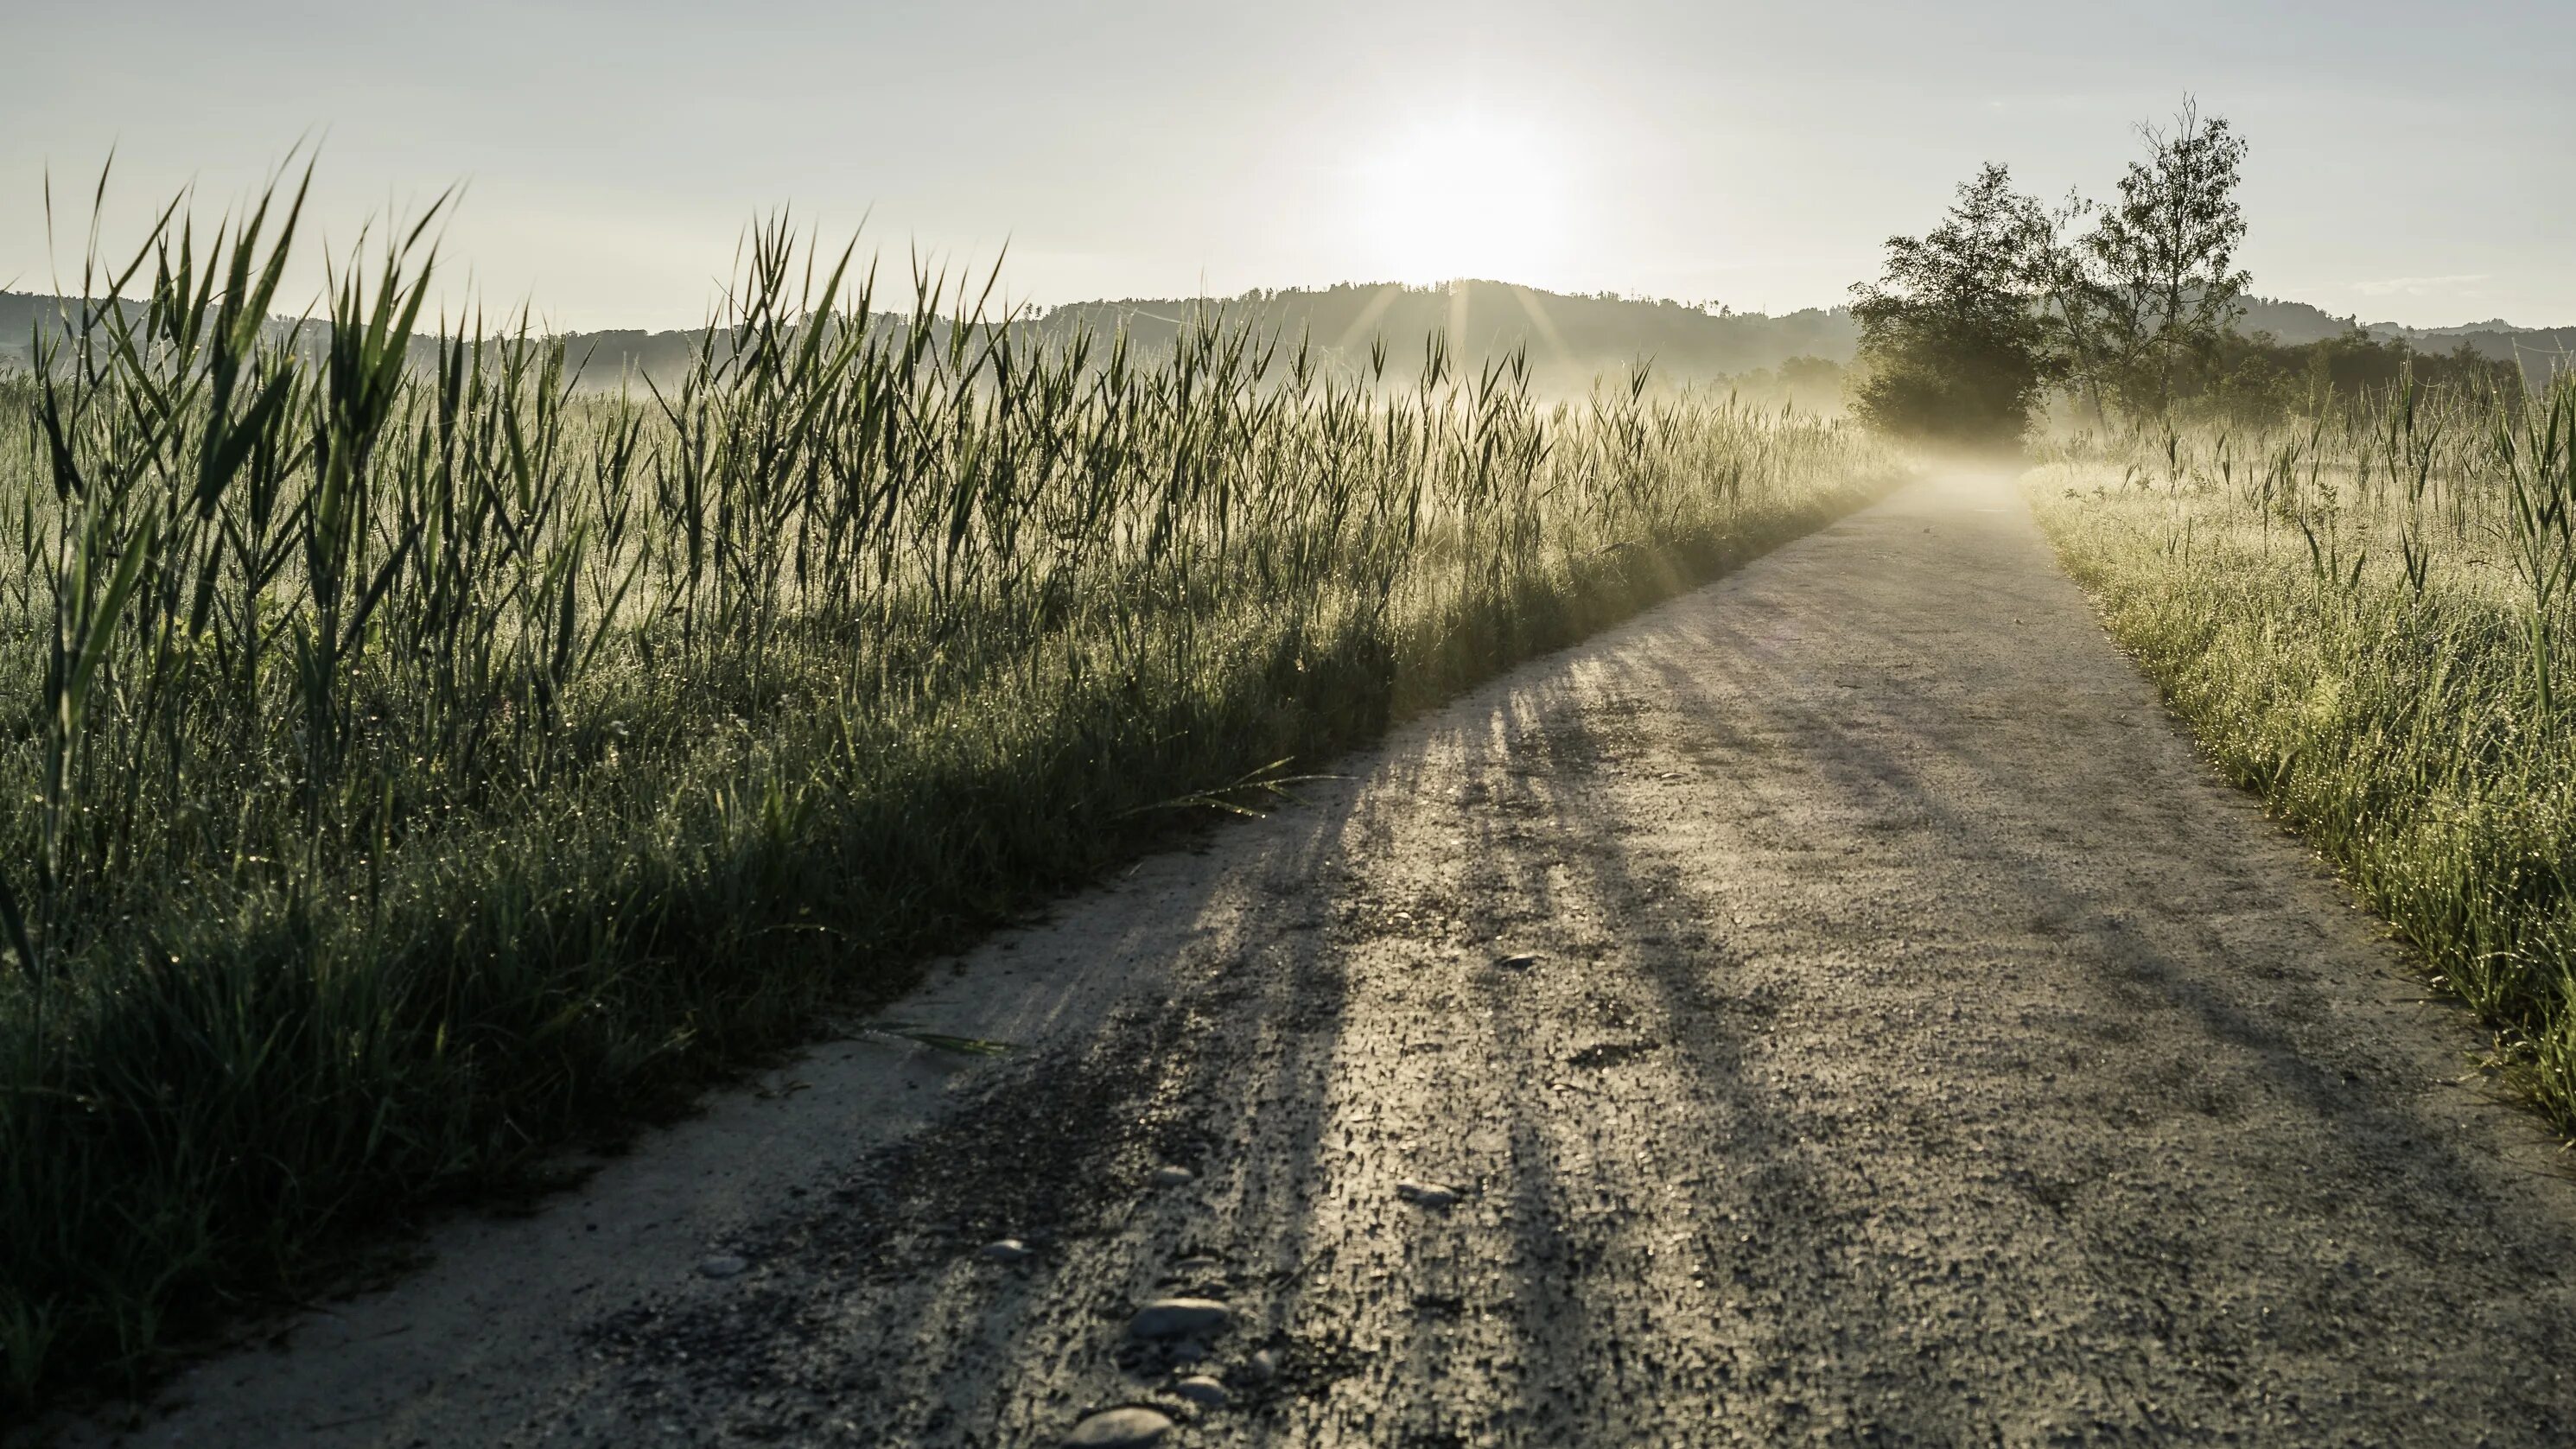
1841	1002
2365	619
408	770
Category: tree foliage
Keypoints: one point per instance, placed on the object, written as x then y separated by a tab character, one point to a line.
1971	323
2258	380
2146	295
1953	342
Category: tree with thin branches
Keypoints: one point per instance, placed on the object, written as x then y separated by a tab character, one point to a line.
2154	285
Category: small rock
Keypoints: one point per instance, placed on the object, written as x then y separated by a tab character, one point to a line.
1203	1391
1264	1366
1195	1263
1426	1194
1172	1176
721	1265
1180	1318
1129	1428
1004	1250
1518	961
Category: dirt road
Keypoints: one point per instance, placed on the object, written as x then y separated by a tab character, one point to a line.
1840	1005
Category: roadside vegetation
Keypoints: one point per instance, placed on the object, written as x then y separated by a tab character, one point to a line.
2349	565
2367	611
409	770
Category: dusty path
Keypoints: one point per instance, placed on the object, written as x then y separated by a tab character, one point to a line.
1920	1048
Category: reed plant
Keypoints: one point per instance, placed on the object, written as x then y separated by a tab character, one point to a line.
410	764
2365	614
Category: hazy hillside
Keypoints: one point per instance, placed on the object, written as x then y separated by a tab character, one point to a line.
1570	339
2539	350
2294	322
20	314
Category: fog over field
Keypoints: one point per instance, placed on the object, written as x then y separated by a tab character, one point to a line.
1570	342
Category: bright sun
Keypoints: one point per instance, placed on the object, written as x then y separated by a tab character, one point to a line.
1466	195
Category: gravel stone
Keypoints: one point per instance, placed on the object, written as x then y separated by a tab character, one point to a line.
721	1265
1203	1391
1128	1428
1180	1318
1427	1194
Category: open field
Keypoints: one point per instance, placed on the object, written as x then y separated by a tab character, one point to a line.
406	773
2369	616
1844	1006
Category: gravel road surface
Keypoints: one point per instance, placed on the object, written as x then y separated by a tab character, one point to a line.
1836	1007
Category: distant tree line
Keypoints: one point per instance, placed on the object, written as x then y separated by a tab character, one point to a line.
2126	307
2257	379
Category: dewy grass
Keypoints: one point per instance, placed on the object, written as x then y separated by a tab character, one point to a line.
405	768
2366	617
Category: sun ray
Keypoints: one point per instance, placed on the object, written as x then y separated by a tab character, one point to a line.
1557	350
1360	325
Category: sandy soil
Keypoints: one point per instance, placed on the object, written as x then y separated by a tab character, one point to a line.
1842	1006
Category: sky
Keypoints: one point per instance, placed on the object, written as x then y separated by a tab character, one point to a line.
2409	163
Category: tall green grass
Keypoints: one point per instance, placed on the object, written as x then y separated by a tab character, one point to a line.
406	769
2367	616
